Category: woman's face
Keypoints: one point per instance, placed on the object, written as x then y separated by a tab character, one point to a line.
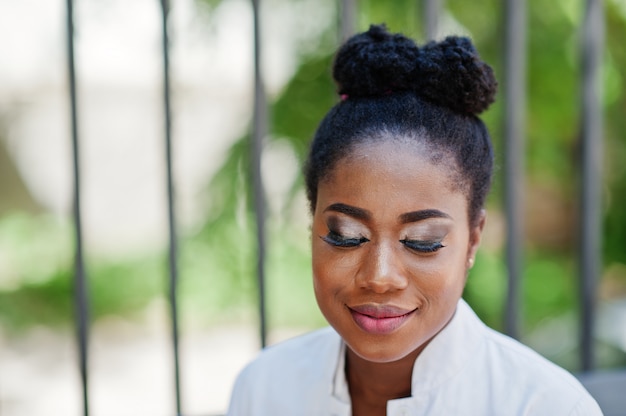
391	249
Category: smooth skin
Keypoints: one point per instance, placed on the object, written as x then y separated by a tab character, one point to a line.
392	245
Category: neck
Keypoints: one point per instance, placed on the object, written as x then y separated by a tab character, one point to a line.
372	385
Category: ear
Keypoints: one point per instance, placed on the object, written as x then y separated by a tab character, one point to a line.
476	232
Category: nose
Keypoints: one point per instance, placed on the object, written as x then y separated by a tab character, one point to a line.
382	269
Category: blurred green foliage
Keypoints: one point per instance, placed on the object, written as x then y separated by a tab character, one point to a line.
218	261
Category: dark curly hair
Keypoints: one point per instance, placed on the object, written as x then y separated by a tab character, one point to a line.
391	89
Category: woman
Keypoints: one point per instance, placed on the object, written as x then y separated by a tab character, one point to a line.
397	176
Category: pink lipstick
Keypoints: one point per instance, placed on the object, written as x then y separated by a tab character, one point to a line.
379	319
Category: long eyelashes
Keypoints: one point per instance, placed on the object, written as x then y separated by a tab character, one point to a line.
337	240
423	246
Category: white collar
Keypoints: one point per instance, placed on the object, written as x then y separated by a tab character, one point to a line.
448	351
442	358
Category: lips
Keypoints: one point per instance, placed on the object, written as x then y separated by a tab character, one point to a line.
380	319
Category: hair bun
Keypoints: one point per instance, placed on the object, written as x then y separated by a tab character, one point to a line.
452	74
374	63
448	73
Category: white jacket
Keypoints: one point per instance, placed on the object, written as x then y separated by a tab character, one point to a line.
467	369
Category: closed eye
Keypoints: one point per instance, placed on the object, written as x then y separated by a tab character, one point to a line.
337	240
423	246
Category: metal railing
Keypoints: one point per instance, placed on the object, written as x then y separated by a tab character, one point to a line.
514	103
80	278
514	138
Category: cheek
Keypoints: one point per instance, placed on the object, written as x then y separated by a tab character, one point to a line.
441	275
326	267
321	270
326	285
333	277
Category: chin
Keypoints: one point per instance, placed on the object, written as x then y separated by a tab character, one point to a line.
382	353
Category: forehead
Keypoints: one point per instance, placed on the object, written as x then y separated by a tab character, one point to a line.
394	174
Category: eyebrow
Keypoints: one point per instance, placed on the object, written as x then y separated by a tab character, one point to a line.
354	212
363	214
424	214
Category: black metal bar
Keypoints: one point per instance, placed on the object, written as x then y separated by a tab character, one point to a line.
431	18
173	249
259	131
347	22
514	104
591	181
80	280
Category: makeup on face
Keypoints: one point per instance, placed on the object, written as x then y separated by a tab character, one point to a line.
390	247
345	232
379	319
423	231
